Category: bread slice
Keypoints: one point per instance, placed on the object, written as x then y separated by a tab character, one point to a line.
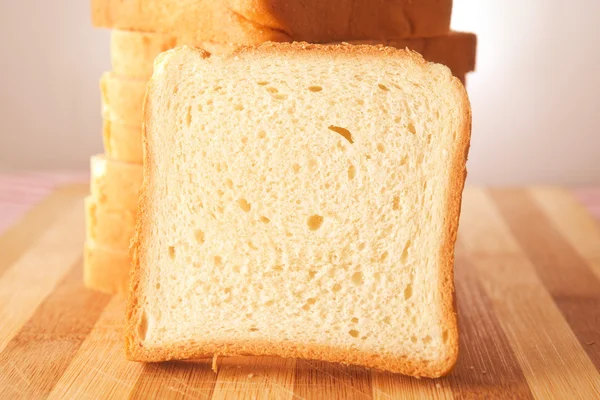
109	227
122	142
300	201
115	185
256	21
122	98
105	269
133	53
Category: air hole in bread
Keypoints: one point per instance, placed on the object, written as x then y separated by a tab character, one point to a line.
296	168
218	261
361	246
244	205
253	329
271	89
404	255
445	336
351	172
336	288
262	83
314	222
280	96
413	339
312	273
408	291
354	320
264	220
229	183
199	235
380	148
411	128
353	333
188	116
217	88
384	256
142	326
427	339
360	102
343	132
396	203
383	87
262	134
239	107
397	120
172	253
315	88
357	278
312	164
386	320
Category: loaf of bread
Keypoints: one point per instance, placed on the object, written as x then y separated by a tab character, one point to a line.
105	269
300	201
250	22
109	227
133	53
122	142
115	185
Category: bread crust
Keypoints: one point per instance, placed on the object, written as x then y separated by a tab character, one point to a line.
133	53
251	22
195	349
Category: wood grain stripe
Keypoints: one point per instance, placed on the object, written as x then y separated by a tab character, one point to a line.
175	380
29	280
34	360
254	378
570	218
553	361
487	368
18	239
100	370
388	386
570	282
323	380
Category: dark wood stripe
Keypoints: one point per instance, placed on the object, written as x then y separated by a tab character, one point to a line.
176	380
35	359
567	277
487	367
322	380
19	238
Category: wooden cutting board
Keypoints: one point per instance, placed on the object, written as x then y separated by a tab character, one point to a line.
528	293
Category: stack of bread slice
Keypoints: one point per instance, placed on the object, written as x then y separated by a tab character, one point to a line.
142	29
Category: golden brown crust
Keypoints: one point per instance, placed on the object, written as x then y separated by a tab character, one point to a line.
194	349
256	21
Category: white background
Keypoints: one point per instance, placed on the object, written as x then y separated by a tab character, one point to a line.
535	96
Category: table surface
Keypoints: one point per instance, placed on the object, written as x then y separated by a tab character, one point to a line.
528	296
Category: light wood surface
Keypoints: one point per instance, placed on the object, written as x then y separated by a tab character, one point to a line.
528	297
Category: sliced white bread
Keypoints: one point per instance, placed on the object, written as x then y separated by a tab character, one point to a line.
115	185
300	201
257	21
133	53
109	227
122	142
122	98
105	269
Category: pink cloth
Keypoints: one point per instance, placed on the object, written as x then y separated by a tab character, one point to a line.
21	191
